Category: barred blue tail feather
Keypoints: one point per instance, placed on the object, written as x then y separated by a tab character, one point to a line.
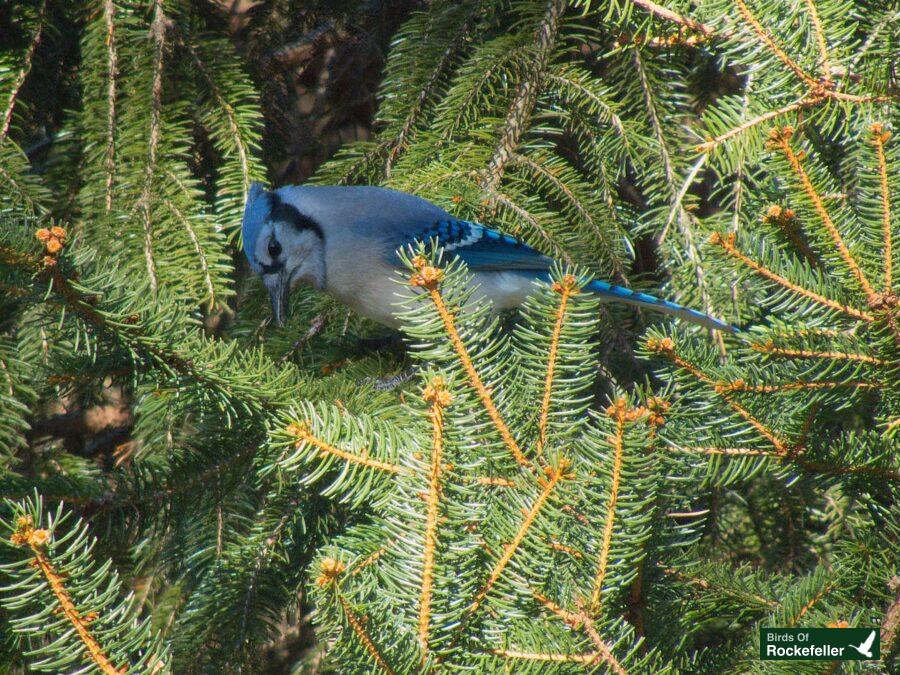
605	290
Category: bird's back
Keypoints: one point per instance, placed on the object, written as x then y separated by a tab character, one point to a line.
350	213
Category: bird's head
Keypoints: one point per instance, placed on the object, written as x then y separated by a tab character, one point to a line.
284	246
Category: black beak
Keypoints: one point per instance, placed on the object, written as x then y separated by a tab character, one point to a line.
277	284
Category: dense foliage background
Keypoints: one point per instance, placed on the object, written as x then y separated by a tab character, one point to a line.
582	487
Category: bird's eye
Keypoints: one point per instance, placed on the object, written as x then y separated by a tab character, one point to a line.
274	249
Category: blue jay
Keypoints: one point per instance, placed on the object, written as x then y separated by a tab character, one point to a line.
344	241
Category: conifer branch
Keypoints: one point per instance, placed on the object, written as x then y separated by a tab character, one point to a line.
669	15
879	138
551	177
683	218
428	278
666	347
786	220
173	488
587	659
726	242
558	546
713	450
818	90
158	32
18	188
395	146
824	61
261	557
195	241
192	233
239	143
491	480
741	385
582	620
770	348
436	393
27	62
112	61
84	304
525	97
780	138
603	649
617	411
809	605
356	623
614	118
372	558
805	102
795	457
36	539
890	625
877	471
566	289
705	584
555	475
769	41
303	435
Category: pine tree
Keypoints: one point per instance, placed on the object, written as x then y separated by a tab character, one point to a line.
578	488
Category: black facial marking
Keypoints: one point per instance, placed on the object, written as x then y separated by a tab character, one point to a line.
273	268
274	249
279	211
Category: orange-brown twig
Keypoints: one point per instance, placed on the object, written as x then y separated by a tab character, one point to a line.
740	385
809	605
553	658
303	435
372	558
669	15
713	450
581	620
428	278
511	548
824	61
805	102
330	571
618	412
727	244
769	348
436	393
492	480
879	138
666	346
781	139
566	289
797	458
770	43
36	539
357	625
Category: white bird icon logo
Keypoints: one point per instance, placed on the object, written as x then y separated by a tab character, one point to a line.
866	647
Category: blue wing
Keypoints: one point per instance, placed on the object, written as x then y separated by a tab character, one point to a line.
481	248
487	250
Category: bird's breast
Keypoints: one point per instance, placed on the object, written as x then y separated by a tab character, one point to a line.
376	295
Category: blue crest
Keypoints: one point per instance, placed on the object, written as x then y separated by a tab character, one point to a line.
256	212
